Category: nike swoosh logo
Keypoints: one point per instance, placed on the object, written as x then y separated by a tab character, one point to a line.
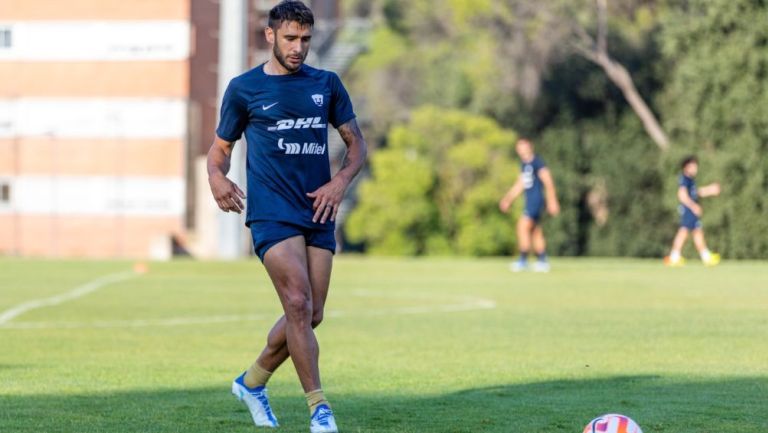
267	107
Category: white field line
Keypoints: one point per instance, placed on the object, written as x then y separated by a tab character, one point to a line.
138	323
467	304
78	292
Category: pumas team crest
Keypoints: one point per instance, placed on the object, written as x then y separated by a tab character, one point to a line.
318	98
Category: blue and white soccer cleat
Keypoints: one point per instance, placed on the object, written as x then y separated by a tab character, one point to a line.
257	402
518	266
541	266
322	420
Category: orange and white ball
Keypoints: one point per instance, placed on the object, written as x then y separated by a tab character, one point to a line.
612	423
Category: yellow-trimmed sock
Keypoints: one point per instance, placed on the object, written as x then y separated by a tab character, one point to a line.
314	399
256	376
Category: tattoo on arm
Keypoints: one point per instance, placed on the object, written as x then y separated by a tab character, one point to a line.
350	133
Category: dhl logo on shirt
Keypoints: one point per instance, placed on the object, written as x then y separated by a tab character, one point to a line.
301	123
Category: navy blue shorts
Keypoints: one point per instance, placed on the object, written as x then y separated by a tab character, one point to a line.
689	220
534	213
267	234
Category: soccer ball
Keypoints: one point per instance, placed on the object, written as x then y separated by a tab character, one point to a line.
612	423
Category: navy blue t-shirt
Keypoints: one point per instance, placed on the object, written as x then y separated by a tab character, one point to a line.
285	119
690	185
534	188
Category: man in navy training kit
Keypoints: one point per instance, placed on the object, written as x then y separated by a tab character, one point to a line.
284	108
536	181
690	214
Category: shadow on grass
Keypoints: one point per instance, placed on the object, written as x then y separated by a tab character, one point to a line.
658	404
12	366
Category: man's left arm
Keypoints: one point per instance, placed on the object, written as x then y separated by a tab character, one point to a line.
711	190
328	197
553	205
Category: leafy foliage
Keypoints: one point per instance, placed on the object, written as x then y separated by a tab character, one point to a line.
717	104
435	187
701	66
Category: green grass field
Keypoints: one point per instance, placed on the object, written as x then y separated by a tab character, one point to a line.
427	345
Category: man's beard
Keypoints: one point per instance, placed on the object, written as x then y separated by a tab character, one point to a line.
281	59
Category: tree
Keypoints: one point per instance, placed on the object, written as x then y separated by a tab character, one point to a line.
465	53
716	104
701	65
596	50
435	187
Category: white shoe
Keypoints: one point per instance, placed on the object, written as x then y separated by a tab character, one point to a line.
541	266
257	402
518	266
322	420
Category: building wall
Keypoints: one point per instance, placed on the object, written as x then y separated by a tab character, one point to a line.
94	125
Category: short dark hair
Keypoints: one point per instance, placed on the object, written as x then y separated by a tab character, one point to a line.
688	160
290	10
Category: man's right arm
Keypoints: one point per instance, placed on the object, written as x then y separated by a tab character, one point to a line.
228	196
511	195
687	201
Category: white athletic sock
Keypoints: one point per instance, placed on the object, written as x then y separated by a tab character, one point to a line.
674	256
705	254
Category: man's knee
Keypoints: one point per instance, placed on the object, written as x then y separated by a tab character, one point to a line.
317	317
526	225
298	306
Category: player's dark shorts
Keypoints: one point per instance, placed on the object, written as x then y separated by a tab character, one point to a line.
267	234
534	211
534	205
689	220
533	214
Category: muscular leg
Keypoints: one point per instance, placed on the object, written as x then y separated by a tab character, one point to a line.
276	350
698	240
319	263
288	267
675	258
524	227
707	256
680	238
539	243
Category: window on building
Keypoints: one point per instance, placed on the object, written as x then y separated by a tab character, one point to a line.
5	37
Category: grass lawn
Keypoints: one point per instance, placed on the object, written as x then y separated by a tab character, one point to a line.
408	345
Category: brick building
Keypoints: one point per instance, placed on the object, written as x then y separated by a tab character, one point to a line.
105	105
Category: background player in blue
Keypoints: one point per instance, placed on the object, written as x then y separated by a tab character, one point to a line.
536	181
284	108
690	214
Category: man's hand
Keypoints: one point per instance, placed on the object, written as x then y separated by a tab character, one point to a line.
327	200
553	207
697	210
715	187
227	194
505	203
711	190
